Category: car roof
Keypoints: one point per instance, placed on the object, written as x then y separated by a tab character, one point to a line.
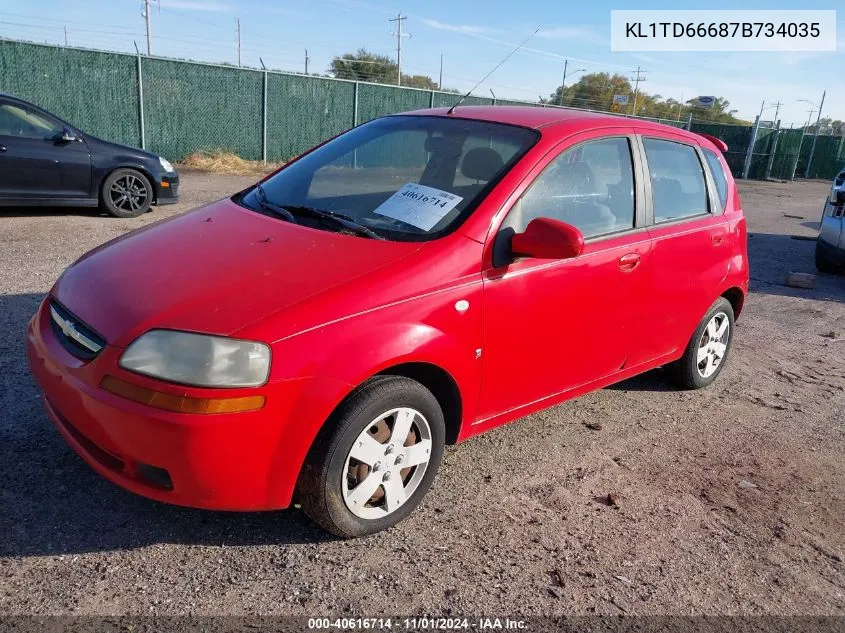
537	117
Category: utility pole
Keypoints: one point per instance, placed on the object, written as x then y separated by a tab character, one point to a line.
749	153
65	36
637	81
146	15
815	136
777	109
399	19
238	20
307	59
801	144
563	83
440	83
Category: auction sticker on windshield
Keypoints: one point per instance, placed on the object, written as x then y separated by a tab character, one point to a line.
418	205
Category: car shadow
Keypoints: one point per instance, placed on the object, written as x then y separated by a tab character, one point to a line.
653	380
812	225
52	503
25	212
773	256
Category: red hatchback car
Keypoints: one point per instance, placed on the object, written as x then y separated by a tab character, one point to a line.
321	336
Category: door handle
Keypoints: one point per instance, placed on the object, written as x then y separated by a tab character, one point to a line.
717	239
629	262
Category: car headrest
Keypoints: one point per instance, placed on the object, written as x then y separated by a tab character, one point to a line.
576	178
481	163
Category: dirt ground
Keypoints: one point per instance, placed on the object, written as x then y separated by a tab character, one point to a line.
730	499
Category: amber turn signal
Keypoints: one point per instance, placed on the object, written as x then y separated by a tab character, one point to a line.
180	404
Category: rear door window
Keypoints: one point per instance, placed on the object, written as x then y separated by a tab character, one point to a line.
718	176
677	180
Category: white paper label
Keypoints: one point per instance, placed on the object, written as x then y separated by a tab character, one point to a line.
418	205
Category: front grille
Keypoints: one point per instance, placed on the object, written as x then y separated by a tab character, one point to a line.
74	335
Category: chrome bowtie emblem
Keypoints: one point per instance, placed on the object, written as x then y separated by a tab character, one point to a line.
69	329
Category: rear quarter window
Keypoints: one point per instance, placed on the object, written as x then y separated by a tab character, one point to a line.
718	176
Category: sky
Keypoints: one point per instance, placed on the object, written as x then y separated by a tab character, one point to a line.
471	36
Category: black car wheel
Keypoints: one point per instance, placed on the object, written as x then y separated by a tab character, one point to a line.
824	263
127	193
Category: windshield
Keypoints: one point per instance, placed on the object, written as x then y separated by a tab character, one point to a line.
401	177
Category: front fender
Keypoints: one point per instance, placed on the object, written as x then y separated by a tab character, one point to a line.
330	361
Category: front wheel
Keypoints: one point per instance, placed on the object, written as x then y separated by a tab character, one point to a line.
126	193
707	350
376	458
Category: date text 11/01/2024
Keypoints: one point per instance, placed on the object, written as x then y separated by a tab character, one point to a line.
421	623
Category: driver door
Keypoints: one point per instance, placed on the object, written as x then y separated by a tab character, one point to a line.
34	162
552	326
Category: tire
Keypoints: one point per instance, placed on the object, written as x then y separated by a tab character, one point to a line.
688	372
364	425
824	265
126	193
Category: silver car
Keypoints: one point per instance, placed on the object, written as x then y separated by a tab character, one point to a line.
830	248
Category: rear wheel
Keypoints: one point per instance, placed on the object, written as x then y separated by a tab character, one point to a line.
824	264
126	193
374	461
707	350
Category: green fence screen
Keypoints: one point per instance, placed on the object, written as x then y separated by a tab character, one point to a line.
189	106
97	92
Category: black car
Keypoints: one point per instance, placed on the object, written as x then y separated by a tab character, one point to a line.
47	161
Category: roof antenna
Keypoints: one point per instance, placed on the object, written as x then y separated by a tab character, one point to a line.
524	42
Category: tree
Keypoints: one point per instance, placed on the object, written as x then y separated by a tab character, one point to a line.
595	91
827	125
419	81
365	66
721	112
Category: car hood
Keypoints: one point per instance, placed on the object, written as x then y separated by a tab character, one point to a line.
213	270
95	143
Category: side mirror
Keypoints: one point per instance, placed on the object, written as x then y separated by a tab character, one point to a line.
545	238
67	136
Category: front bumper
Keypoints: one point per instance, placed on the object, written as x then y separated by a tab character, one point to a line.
221	462
167	189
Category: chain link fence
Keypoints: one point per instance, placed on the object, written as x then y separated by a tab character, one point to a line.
176	107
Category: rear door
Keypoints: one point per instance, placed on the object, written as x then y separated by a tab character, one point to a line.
691	252
34	162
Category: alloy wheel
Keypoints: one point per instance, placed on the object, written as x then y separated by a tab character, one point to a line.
713	344
386	464
128	193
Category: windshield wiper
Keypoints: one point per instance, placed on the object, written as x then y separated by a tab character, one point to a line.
338	218
275	209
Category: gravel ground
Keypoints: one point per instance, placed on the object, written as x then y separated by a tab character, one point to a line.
512	524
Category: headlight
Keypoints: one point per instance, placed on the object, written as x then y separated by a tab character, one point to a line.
166	164
198	359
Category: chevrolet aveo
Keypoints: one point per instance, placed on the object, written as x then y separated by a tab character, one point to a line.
321	336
